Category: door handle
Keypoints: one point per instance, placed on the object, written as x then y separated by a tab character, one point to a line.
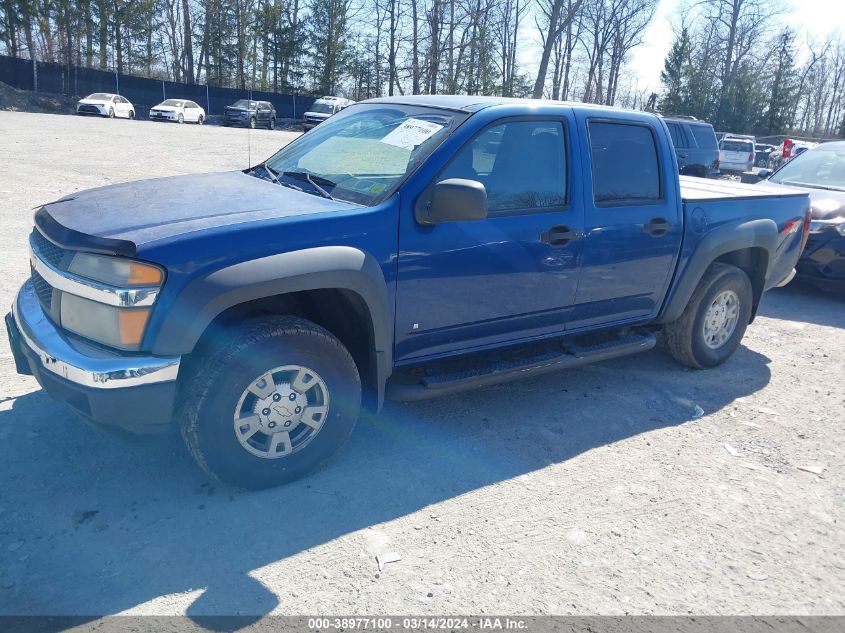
559	235
657	227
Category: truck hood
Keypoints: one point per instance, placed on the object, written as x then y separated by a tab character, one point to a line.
824	203
99	102
133	214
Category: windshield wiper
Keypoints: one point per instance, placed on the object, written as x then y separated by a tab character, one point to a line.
313	179
273	175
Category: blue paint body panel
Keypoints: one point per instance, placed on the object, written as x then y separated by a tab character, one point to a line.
453	288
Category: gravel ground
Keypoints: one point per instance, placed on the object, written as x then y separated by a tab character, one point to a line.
633	486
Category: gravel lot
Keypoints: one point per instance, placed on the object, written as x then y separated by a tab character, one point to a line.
633	486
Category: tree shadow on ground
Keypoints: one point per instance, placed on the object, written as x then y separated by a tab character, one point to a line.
107	525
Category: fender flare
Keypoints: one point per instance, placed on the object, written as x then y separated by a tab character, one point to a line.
327	267
761	233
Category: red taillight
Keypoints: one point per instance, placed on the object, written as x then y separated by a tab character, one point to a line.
751	157
717	163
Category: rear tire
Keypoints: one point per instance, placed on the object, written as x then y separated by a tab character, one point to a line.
715	319
131	115
227	396
199	120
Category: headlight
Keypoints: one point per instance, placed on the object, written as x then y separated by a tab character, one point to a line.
117	327
113	325
115	271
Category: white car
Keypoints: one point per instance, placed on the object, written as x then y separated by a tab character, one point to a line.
736	153
106	104
179	110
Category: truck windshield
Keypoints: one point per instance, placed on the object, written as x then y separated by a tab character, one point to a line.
819	169
363	153
321	108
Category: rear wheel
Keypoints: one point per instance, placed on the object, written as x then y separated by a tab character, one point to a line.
131	114
714	321
199	120
275	400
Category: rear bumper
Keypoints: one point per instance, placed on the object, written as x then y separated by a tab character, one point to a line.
786	279
735	167
136	393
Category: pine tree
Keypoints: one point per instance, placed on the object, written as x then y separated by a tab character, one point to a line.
675	76
780	111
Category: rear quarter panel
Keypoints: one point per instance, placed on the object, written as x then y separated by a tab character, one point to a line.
773	223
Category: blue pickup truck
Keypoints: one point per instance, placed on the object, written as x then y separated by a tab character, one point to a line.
407	248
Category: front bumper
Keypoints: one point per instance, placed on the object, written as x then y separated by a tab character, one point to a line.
822	263
238	120
130	391
90	108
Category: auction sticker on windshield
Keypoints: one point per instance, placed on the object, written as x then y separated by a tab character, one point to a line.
411	133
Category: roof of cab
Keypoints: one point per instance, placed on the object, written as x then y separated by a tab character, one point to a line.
472	103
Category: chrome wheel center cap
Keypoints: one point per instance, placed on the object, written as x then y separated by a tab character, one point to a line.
281	410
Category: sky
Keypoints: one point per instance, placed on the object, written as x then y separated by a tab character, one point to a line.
813	19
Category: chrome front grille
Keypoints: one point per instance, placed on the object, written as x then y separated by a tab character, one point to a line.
54	255
43	291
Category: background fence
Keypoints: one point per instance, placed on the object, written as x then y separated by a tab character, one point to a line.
142	92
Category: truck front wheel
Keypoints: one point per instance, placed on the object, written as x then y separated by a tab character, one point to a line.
274	400
714	321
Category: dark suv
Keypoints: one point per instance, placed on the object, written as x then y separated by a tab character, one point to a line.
695	146
249	113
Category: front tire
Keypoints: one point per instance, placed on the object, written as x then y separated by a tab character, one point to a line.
271	124
715	319
270	403
252	123
180	119
111	113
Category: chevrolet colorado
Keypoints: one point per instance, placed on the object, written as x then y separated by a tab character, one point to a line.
409	247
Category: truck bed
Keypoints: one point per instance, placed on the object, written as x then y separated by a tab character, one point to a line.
704	189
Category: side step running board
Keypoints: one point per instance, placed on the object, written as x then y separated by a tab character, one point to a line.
433	386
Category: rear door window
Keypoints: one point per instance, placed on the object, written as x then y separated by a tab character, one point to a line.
679	138
737	146
625	164
704	136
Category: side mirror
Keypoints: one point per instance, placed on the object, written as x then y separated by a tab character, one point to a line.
454	200
763	174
